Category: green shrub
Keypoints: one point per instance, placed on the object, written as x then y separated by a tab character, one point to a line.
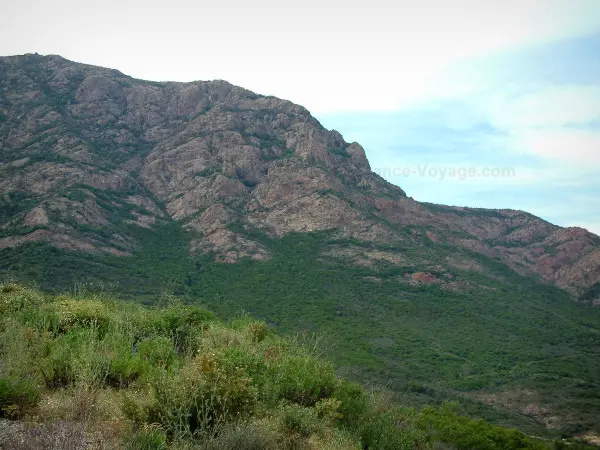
466	433
17	299
137	407
42	318
129	362
254	365
74	357
123	365
386	431
182	323
56	367
177	316
328	410
201	397
336	439
157	351
123	369
21	347
301	420
258	330
74	313
353	402
149	438
16	395
303	379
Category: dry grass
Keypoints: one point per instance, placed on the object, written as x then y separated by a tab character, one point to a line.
83	404
95	411
59	435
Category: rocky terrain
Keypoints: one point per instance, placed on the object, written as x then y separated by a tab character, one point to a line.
88	153
211	194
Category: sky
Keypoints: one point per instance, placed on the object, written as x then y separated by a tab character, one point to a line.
462	102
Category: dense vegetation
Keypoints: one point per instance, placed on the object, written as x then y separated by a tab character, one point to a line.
120	375
505	348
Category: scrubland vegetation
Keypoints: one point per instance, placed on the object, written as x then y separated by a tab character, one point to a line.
88	371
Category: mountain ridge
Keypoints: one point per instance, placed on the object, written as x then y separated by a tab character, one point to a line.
214	194
215	153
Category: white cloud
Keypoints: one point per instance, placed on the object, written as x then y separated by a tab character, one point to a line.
556	124
334	55
327	55
572	148
551	106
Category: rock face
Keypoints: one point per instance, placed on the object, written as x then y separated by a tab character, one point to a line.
83	148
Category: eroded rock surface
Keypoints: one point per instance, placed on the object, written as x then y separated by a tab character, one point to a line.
84	150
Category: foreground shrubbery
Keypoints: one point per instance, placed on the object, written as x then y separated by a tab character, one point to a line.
174	377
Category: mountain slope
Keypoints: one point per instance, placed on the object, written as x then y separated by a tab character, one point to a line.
80	144
193	382
209	191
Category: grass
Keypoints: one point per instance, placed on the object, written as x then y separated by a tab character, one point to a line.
429	343
506	348
120	375
500	349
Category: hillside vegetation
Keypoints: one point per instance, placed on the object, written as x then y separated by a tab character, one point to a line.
90	158
214	195
505	347
89	371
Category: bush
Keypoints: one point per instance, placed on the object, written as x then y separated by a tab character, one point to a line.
233	358
178	316
16	396
301	420
202	397
124	368
14	298
74	313
244	436
137	407
353	402
149	438
337	439
129	362
74	357
328	410
466	433
256	329
303	379
387	431
182	323
157	351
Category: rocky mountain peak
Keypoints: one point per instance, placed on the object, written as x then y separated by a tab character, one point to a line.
87	153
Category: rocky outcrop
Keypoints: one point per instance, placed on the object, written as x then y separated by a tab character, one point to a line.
86	152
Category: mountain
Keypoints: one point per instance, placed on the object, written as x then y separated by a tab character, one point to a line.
243	201
208	154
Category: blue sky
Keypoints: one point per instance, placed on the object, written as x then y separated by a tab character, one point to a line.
526	123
